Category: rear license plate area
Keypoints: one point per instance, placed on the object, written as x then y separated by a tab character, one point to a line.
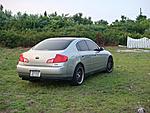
35	73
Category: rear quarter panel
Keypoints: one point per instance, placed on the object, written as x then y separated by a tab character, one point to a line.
73	56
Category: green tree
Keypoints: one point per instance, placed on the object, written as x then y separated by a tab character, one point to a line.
101	22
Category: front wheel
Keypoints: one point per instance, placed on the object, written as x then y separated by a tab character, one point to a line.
78	76
110	64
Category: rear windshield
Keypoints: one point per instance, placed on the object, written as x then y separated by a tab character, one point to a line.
53	45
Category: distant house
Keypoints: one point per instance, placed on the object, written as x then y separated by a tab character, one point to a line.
138	43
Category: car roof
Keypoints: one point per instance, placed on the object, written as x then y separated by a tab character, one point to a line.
68	38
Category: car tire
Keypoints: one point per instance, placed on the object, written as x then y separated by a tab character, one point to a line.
78	76
110	64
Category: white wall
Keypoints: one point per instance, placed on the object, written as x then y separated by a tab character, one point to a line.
138	43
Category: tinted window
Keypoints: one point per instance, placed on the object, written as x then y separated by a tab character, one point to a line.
91	45
82	46
53	45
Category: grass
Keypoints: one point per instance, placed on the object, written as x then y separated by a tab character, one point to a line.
122	91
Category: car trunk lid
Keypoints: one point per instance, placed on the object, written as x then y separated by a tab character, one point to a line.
39	58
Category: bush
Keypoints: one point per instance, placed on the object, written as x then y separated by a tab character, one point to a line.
13	39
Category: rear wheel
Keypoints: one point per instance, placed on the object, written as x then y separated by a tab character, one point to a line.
110	64
78	76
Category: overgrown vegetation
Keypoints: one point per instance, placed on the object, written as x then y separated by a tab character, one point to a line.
26	30
122	91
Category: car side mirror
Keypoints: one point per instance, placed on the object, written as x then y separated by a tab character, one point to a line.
99	49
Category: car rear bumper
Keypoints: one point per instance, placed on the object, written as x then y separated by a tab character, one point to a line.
45	72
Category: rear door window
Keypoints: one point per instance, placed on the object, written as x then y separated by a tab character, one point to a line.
82	46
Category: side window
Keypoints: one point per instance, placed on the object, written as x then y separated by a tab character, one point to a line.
82	46
91	45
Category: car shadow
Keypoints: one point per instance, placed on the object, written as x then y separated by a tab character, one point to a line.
96	74
53	83
67	83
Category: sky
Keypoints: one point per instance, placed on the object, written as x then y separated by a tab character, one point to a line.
109	10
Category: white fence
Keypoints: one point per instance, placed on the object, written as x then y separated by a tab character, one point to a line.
138	43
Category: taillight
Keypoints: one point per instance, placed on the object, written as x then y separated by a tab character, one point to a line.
58	59
23	59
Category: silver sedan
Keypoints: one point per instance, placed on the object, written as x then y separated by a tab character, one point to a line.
64	58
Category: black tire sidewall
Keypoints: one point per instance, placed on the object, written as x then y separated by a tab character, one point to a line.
74	80
110	59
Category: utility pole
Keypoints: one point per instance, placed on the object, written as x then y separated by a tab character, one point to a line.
140	11
1	7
